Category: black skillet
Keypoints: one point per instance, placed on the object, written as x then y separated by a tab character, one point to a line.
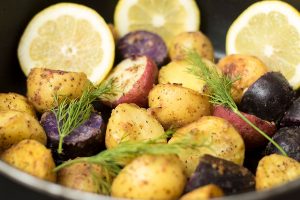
216	17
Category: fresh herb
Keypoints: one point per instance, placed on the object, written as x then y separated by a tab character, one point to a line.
219	88
70	114
113	160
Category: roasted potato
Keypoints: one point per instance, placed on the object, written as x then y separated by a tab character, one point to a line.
176	72
203	193
43	84
16	126
32	157
218	137
175	106
130	122
275	170
247	69
196	41
17	102
291	116
151	177
82	176
230	177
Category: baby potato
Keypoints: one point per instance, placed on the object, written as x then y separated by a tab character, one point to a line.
204	193
175	106
16	126
151	177
14	101
44	84
81	176
218	137
176	72
275	170
130	122
246	68
196	41
32	157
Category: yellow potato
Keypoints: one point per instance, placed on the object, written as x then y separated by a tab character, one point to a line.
151	177
196	41
204	193
17	102
247	68
32	157
176	106
218	137
130	122
176	72
44	84
81	176
275	170
16	126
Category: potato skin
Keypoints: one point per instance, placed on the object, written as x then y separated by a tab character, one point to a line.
32	157
151	177
196	41
175	106
130	122
247	68
43	84
16	126
275	170
81	176
216	133
204	193
17	102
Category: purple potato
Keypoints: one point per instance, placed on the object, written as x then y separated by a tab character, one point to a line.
86	140
292	115
289	139
230	177
140	43
268	97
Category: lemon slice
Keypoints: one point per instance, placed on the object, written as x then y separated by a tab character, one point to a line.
69	37
269	30
167	18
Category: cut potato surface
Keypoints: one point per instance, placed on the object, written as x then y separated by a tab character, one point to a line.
69	37
218	137
269	30
164	17
130	122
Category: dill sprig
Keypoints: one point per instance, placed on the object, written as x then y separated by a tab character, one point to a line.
70	114
112	160
220	89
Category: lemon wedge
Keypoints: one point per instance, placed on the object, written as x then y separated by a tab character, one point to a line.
269	30
166	18
69	37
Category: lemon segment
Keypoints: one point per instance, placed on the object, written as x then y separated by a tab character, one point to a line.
167	18
269	30
69	37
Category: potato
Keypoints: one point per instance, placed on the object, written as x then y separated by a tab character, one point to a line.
32	157
218	137
203	193
247	68
43	84
14	101
135	77
176	106
275	170
196	41
16	126
130	122
176	72
151	177
81	176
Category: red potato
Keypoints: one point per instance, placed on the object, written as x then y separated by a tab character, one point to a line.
135	77
251	137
